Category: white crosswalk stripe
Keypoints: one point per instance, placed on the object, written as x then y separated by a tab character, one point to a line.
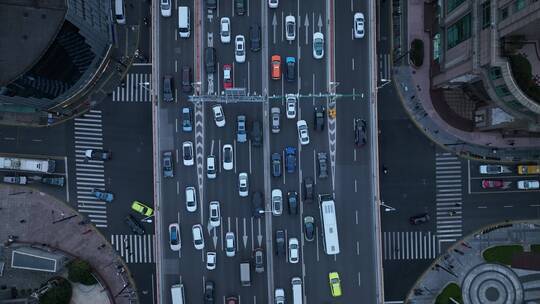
409	245
134	248
89	174
136	88
448	184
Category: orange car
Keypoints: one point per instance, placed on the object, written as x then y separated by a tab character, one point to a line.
276	67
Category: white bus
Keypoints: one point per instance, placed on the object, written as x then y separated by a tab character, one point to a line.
26	164
329	223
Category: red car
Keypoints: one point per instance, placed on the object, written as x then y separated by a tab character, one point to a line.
276	67
227	76
488	183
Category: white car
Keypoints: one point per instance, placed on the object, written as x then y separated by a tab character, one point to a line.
358	25
290	28
225	30
277	202
291	105
528	184
174	237
211	260
198	238
230	244
227	157
240	49
303	135
187	153
191	199
211	171
273	3
243	184
318	45
294	256
215	214
219	116
165	6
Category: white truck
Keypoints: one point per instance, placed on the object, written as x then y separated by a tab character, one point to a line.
245	274
26	164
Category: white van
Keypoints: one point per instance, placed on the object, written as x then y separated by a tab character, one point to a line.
211	167
120	11
184	28
177	293
296	283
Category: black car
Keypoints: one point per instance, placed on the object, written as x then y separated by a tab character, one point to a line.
209	292
257	204
280	242
308	190
210	59
168	167
292	199
323	167
186	79
258	255
240	7
134	225
167	89
309	228
290	69
98	154
276	164
319	116
255	37
211	4
256	134
419	219
360	130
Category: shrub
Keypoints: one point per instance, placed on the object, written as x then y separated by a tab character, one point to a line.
453	291
59	294
501	254
522	72
80	271
416	53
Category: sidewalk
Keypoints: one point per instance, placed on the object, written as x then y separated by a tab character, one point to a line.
413	86
42	221
480	281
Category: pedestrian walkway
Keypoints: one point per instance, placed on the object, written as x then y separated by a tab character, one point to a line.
134	248
89	174
409	245
135	88
448	183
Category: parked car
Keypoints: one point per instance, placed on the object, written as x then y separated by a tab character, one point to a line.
318	45
256	134
335	284
528	169
228	157
54	181
319	118
19	180
290	28
168	88
309	191
294	255
219	116
258	255
191	199
291	102
187	125
255	37
493	169
142	208
290	159
292	199
227	76
323	167
134	224
309	228
528	184
187	79
276	164
243	184
103	195
303	134
198	237
290	71
419	219
174	237
276	67
280	242
358	25
209	288
211	260
360	132
490	184
187	153
275	112
257	204
225	30
214	213
277	202
240	48
241	134
95	154
168	165
230	244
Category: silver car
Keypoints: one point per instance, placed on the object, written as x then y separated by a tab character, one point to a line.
277	202
275	111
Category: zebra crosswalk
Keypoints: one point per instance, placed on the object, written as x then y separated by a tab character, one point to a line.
89	174
134	248
448	183
409	245
135	88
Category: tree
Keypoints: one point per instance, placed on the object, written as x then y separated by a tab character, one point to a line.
79	271
60	293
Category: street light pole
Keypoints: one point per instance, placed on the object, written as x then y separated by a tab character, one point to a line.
386	207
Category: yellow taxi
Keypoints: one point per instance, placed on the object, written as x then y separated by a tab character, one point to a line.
528	169
335	284
142	208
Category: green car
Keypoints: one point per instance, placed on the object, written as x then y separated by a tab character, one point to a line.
142	208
